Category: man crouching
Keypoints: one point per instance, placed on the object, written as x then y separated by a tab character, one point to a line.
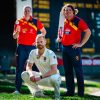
48	75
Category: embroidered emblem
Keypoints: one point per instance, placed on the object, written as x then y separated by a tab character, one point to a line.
77	58
24	30
37	57
54	57
44	58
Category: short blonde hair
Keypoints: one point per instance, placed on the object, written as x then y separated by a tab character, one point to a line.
39	36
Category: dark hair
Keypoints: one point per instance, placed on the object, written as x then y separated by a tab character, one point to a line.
71	8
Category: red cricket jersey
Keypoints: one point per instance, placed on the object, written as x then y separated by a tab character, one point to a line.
72	31
28	31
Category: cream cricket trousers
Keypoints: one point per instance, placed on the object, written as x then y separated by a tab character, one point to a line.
51	81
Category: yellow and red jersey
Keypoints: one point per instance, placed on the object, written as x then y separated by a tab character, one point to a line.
73	30
28	30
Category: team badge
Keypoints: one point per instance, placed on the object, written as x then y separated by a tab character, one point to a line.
77	58
24	30
44	59
37	57
54	57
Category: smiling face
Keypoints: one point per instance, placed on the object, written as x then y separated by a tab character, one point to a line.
69	13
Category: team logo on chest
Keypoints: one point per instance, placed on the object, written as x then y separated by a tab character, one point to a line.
24	30
54	57
67	31
45	59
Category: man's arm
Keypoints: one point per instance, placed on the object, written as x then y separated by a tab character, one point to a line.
51	72
29	69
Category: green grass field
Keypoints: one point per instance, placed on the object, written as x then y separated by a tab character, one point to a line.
7	87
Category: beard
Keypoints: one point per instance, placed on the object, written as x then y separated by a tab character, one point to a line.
40	47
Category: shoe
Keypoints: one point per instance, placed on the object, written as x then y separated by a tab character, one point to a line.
16	92
39	94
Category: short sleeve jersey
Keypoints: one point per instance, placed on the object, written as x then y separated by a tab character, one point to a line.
28	30
45	61
73	30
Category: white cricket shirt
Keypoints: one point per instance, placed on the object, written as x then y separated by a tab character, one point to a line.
45	61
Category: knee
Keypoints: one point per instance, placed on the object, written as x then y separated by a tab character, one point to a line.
25	75
56	81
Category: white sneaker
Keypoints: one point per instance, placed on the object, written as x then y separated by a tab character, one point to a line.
16	92
39	94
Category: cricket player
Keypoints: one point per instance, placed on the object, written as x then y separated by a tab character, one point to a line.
48	75
25	31
72	42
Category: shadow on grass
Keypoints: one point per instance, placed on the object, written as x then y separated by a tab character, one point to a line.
96	85
9	87
86	97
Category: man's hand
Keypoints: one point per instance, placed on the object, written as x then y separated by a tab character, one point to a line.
32	78
35	79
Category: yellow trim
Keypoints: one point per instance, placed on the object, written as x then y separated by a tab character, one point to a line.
33	26
72	25
29	24
65	21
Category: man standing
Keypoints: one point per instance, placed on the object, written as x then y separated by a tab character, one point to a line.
72	43
25	30
46	62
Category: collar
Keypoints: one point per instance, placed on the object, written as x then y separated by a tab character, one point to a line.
29	19
71	20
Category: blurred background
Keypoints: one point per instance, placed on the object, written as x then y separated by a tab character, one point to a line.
48	12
